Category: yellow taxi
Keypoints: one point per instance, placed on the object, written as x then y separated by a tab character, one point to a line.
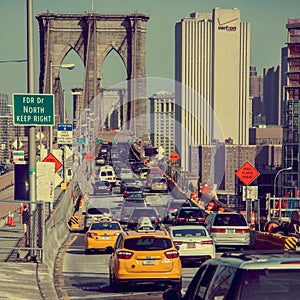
102	234
144	255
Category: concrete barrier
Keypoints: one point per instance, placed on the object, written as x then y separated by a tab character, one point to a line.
270	241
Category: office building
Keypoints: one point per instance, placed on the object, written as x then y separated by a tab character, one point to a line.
272	95
256	97
291	97
11	137
212	62
162	121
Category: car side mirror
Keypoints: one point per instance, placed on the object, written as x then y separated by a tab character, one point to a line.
110	250
172	294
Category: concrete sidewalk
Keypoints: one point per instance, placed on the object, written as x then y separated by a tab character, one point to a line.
26	281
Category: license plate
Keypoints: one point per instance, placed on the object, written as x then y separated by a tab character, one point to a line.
230	230
191	245
191	220
148	262
105	237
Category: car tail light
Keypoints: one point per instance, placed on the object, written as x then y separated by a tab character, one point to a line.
156	222
172	254
124	254
91	234
180	219
242	231
201	219
208	242
177	243
217	230
165	182
109	187
293	262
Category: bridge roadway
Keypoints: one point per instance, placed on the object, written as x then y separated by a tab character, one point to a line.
21	280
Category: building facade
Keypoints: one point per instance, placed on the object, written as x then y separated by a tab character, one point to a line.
272	95
162	121
212	61
256	96
290	100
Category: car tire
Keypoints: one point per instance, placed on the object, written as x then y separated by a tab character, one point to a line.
114	284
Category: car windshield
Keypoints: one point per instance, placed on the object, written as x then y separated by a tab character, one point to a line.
189	213
102	183
97	211
135	195
132	188
156	180
134	203
147	243
189	232
230	220
271	284
105	226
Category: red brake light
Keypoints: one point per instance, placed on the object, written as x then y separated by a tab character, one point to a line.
124	254
208	242
217	230
180	219
201	219
242	231
177	243
172	254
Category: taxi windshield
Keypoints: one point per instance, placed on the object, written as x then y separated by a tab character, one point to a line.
105	226
147	243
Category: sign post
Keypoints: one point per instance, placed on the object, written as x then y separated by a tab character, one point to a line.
247	174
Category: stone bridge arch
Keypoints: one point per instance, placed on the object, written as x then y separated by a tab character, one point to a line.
92	36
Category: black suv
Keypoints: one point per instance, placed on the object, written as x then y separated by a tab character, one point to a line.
189	216
139	212
258	275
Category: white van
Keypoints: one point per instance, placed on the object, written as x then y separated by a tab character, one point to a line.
108	173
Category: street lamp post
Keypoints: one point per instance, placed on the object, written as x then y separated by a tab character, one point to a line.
282	170
64	121
63	66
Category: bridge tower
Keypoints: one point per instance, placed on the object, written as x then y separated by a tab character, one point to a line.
92	36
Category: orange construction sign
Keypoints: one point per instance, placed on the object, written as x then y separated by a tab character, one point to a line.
247	173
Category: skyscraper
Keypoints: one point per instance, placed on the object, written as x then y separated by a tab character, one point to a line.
162	121
212	60
291	97
272	95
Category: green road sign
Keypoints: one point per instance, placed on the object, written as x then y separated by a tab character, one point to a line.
115	141
130	140
33	109
81	140
99	141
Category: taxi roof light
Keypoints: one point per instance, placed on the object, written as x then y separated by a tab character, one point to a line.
145	225
105	218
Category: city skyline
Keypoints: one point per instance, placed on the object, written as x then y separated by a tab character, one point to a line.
268	35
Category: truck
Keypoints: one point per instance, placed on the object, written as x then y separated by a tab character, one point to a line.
283	215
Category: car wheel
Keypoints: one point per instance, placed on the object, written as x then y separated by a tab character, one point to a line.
115	285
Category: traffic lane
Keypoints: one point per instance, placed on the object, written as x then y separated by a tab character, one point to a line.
86	276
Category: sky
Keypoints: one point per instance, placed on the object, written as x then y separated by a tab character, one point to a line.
267	20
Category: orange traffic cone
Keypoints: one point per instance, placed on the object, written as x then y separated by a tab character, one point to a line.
12	220
9	218
21	208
